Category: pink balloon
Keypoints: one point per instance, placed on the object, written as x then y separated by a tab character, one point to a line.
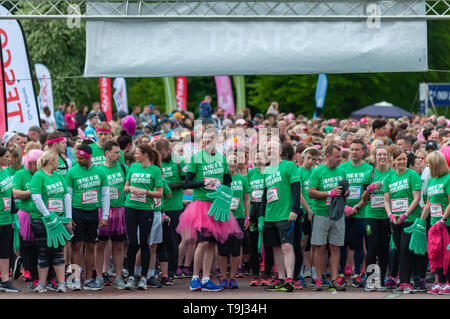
446	151
129	125
332	121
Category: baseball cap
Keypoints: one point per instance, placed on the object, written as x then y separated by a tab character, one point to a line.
8	136
91	115
178	116
121	114
432	144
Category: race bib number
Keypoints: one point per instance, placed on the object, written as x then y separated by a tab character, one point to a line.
234	203
436	210
399	205
257	195
272	195
138	198
355	192
216	184
376	201
328	201
55	205
157	202
89	197
7	203
113	193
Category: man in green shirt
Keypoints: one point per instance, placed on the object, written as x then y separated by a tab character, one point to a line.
88	186
323	187
355	221
57	143
104	134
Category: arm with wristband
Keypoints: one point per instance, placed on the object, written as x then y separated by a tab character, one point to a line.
411	208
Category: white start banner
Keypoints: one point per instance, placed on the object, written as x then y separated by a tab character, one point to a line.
45	97
22	110
156	48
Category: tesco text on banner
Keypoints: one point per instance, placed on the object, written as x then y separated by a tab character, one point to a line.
120	95
45	97
105	97
224	94
21	106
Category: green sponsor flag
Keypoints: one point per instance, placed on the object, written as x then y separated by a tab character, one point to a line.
239	84
169	90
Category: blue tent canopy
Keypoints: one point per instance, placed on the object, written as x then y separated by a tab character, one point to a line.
381	109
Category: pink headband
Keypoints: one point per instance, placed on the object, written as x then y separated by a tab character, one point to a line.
106	130
56	140
83	153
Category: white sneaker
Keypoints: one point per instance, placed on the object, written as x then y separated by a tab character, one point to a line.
131	283
76	286
307	272
61	287
142	284
40	288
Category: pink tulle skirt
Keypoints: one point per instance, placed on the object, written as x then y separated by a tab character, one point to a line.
195	219
25	228
116	222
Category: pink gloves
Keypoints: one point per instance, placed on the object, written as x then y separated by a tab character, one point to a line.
348	210
333	192
402	217
392	218
373	186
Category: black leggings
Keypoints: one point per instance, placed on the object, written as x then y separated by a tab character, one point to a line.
48	256
408	260
298	229
378	244
133	219
173	240
29	251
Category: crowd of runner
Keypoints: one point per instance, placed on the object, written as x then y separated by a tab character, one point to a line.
294	203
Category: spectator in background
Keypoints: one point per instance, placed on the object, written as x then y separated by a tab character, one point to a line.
218	117
81	117
70	119
156	114
116	122
136	115
273	109
23	140
90	129
59	119
34	133
379	131
49	119
204	108
97	110
146	117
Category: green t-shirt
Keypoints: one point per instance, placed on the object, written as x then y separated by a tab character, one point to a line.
6	183
278	180
159	204
22	181
438	190
172	174
255	181
375	206
63	167
116	182
98	155
206	167
87	186
354	175
147	178
305	178
400	188
324	179
52	189
239	186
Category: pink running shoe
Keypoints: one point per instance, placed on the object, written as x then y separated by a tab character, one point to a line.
298	285
445	289
348	271
435	289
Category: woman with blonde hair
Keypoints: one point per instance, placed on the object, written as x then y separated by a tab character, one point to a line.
438	191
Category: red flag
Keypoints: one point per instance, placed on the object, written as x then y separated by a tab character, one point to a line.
105	97
181	93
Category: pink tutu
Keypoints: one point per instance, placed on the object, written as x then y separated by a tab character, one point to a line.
116	222
195	218
25	228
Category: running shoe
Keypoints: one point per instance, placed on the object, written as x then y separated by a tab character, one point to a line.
325	281
40	288
390	282
318	285
303	281
341	280
357	282
142	284
382	289
337	286
61	287
436	289
76	286
100	282
153	283
195	285
223	283
298	285
107	281
52	285
307	272
232	284
256	282
187	273
179	273
289	285
408	289
445	289
240	273
33	284
370	288
92	285
278	286
266	282
348	271
119	283
26	276
166	281
210	286
8	287
420	285
16	267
